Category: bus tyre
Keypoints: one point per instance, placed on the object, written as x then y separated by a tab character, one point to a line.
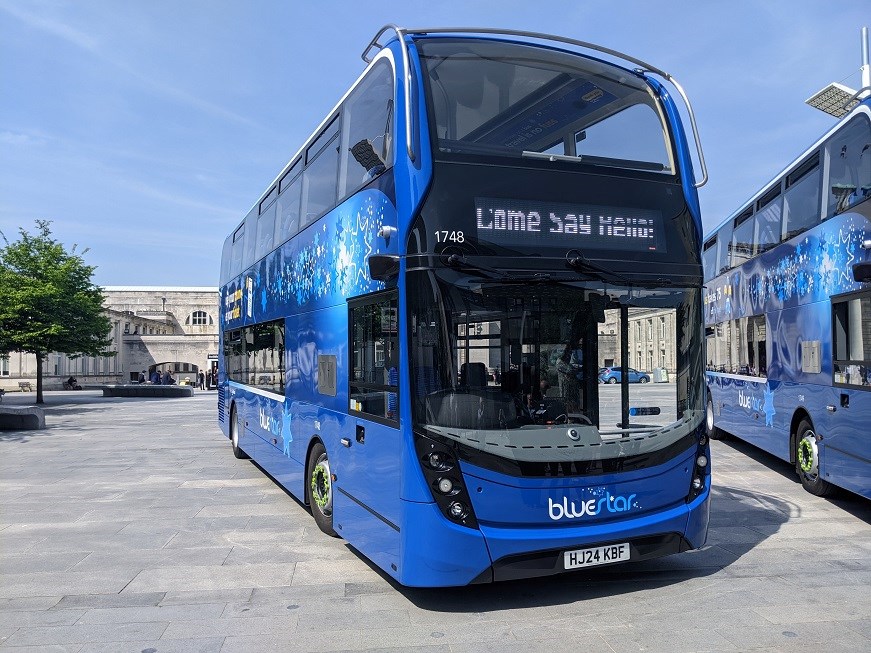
712	431
807	461
235	434
320	489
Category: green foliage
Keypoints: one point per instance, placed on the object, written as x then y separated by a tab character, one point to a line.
49	301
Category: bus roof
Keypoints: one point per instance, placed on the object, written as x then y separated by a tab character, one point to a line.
862	107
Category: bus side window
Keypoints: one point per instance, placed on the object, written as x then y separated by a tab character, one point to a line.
375	358
287	218
367	141
237	251
851	346
265	231
801	201
320	175
250	248
848	156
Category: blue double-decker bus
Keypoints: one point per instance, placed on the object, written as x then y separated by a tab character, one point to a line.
415	311
788	313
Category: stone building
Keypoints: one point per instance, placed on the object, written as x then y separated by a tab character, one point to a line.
153	328
652	340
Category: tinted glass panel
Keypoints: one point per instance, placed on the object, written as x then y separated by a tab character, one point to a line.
802	204
368	118
375	358
852	341
849	159
319	183
742	242
254	355
513	100
265	231
768	226
287	222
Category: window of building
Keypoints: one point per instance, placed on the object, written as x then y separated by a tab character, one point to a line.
4	366
199	318
851	319
375	357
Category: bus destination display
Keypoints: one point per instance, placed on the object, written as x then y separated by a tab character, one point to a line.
512	222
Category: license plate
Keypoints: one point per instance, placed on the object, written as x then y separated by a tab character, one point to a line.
599	555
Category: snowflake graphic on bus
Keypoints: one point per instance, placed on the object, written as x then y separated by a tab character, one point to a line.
326	262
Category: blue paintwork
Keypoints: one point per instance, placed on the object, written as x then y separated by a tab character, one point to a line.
515	514
792	286
308	281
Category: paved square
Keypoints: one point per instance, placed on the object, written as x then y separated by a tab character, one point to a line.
127	525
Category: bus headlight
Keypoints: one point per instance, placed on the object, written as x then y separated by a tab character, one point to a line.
442	471
702	461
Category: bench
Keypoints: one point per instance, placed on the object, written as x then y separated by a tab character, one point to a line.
25	386
20	418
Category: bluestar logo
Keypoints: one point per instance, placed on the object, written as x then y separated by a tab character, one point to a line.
269	423
569	510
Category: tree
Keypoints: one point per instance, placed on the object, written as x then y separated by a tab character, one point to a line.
49	302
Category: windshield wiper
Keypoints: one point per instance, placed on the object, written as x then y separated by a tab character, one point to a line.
576	261
458	262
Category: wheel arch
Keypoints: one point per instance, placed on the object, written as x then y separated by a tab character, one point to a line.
231	412
315	439
797	417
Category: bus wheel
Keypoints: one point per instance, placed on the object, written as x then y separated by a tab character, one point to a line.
712	431
807	461
235	432
321	489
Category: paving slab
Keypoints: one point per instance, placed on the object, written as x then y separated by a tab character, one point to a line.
128	525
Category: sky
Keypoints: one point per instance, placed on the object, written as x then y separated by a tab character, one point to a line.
145	130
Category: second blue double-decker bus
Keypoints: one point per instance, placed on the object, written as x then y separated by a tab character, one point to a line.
788	313
415	311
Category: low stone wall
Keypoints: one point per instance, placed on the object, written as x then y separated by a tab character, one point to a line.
21	418
145	390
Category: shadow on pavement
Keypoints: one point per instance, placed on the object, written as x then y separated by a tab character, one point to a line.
857	506
735	516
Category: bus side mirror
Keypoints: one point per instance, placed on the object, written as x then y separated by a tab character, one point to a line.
383	267
862	272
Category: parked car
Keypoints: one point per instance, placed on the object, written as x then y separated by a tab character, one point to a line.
613	375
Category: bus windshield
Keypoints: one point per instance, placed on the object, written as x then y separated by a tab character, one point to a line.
512	100
532	372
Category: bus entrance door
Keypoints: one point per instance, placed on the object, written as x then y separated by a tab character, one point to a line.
367	505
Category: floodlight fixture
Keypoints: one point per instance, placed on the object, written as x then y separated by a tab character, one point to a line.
834	100
838	100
